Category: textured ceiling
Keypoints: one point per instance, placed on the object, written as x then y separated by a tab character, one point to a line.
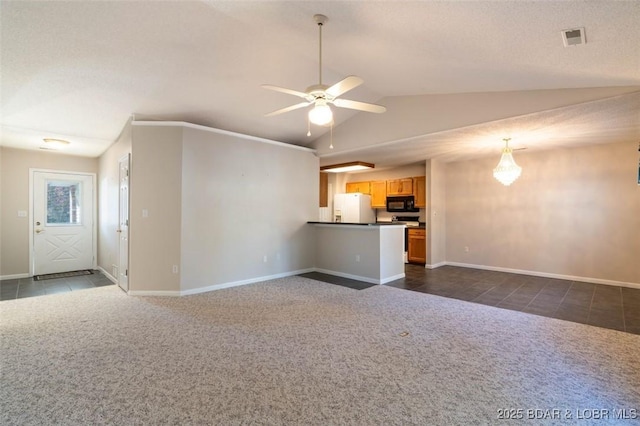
80	70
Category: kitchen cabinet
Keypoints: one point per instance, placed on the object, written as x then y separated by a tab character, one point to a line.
363	187
324	189
400	187
378	194
417	242
420	191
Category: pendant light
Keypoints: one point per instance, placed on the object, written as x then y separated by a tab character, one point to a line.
507	171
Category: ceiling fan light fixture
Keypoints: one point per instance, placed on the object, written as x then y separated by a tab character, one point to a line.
507	171
321	113
347	167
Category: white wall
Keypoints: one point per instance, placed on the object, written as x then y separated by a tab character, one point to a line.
411	116
244	199
573	212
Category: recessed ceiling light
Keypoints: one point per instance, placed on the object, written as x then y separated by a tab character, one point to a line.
55	143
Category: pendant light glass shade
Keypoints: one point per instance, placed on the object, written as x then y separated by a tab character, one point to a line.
507	171
321	113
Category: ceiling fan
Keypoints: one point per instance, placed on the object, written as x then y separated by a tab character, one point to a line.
321	96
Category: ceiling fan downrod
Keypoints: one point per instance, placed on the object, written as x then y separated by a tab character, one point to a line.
320	20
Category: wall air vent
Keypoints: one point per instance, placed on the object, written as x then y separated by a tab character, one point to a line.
573	37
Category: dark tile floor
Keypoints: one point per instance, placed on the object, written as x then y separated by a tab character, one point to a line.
605	306
27	287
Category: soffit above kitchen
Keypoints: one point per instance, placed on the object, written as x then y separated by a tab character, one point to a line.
79	70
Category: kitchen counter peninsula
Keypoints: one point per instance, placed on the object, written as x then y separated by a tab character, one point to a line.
370	252
356	224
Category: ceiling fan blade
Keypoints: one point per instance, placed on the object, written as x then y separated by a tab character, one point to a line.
287	109
287	91
351	82
361	106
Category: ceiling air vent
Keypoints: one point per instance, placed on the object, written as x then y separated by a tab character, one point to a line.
573	37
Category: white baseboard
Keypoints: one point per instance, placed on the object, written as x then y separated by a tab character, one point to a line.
435	265
546	275
359	277
14	276
108	275
366	279
217	286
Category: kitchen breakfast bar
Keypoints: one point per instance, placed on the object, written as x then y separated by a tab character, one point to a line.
370	252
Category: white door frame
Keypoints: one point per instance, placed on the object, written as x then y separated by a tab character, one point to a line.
123	277
94	202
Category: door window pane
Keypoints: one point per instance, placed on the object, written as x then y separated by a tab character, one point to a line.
63	202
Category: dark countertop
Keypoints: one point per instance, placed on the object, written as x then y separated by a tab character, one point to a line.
351	223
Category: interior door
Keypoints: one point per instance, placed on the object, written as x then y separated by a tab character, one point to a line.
63	228
123	225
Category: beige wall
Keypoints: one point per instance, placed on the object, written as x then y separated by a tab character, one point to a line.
108	202
436	213
14	197
155	187
242	200
573	212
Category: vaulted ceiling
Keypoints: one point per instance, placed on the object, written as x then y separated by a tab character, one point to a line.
455	77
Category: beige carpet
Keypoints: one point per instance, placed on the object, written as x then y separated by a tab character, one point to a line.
298	351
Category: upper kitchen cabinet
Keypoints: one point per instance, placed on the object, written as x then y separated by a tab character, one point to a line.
400	187
363	187
379	194
420	191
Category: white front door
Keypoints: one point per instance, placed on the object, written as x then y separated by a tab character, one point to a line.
63	228
123	225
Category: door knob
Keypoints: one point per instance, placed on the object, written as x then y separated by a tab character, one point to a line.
39	231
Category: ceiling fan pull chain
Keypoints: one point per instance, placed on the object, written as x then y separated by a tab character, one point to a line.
331	136
308	126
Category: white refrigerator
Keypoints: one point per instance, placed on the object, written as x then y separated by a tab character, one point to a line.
353	208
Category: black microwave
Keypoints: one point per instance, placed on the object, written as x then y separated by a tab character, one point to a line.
402	204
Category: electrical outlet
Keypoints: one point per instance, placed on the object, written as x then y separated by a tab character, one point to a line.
466	249
264	258
175	269
357	258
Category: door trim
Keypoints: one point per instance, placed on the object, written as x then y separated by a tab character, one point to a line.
94	201
124	159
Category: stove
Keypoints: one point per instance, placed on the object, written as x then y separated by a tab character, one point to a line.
409	220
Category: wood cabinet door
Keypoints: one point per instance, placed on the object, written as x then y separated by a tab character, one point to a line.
379	194
400	186
324	189
363	187
417	246
420	191
393	186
